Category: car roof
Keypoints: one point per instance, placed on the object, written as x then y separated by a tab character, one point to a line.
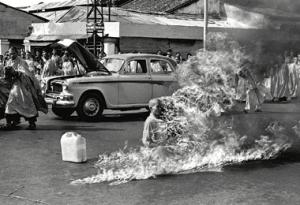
131	55
125	56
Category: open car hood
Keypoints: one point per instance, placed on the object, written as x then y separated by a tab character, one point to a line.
86	58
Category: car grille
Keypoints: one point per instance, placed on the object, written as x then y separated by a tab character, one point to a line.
56	88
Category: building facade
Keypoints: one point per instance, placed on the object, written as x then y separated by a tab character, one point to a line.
15	25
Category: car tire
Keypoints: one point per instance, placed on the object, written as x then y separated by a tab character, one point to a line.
90	107
64	113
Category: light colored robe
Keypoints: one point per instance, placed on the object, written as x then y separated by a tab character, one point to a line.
292	80
25	95
68	68
31	66
274	82
49	69
283	80
153	133
255	93
241	89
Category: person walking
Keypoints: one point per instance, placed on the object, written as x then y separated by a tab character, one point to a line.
25	97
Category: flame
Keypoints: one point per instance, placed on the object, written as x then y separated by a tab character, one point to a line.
196	139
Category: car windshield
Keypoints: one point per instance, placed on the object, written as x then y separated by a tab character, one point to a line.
113	64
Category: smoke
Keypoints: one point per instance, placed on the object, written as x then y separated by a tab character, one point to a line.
195	138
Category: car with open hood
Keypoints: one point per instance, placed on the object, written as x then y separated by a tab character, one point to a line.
120	82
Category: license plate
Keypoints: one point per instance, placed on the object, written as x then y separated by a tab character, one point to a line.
50	100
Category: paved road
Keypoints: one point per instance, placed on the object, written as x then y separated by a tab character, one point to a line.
31	161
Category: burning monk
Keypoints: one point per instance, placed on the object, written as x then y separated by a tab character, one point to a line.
255	91
25	98
154	132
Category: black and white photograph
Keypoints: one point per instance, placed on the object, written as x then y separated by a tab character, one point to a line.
149	102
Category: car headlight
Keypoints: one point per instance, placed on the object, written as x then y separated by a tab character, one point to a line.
66	97
43	85
64	87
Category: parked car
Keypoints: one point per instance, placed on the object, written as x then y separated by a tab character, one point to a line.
120	82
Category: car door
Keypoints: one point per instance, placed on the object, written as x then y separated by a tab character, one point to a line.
135	83
164	81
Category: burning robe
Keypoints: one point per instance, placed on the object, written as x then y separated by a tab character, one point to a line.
153	132
25	97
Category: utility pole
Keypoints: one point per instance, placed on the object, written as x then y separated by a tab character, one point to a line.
205	25
95	22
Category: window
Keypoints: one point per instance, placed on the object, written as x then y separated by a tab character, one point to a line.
160	67
113	64
136	67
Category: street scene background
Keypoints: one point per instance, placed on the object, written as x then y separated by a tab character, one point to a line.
224	125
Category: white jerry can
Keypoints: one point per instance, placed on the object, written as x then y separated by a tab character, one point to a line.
73	147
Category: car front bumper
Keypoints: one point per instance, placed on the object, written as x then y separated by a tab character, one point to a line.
60	100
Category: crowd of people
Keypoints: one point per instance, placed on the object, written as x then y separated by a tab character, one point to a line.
43	64
177	58
280	83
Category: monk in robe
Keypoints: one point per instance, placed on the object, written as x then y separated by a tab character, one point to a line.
153	133
255	92
25	98
292	79
274	82
283	81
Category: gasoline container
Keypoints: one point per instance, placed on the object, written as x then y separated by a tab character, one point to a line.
73	147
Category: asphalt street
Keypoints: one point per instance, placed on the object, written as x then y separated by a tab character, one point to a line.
32	169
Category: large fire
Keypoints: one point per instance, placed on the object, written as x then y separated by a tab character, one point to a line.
196	139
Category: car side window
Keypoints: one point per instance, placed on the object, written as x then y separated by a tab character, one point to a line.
160	67
135	67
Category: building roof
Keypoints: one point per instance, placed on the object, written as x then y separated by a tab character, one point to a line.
156	6
78	14
57	5
63	4
36	16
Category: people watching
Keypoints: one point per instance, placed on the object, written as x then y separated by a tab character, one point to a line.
30	62
49	67
188	56
67	66
170	53
178	58
1	65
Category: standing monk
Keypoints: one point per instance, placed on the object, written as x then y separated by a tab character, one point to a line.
254	94
283	81
25	98
292	79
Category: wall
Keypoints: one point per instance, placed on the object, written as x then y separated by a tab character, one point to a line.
152	45
14	23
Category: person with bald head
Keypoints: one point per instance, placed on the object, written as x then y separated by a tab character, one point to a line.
153	132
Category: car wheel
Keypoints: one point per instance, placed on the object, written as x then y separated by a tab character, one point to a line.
90	107
63	112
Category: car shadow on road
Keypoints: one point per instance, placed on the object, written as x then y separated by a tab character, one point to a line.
127	117
74	128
